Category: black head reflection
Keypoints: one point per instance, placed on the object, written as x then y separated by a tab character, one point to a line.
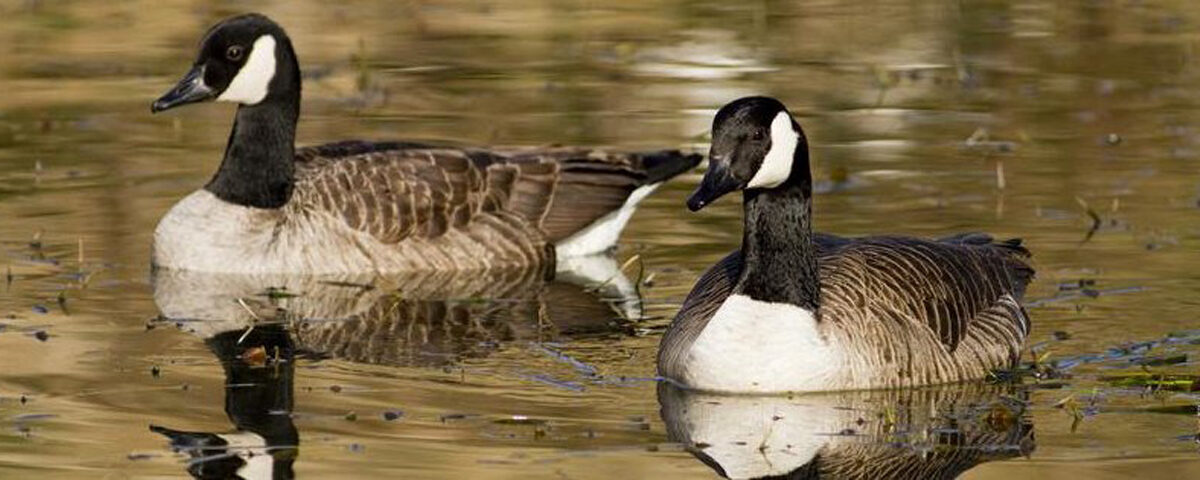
936	433
258	400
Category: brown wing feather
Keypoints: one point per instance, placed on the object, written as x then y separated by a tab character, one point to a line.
594	182
409	191
396	190
949	286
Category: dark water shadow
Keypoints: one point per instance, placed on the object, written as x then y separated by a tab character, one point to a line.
427	319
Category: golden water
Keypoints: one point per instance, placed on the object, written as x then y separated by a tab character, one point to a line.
913	109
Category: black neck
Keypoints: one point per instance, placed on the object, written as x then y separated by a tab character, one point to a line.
257	170
780	263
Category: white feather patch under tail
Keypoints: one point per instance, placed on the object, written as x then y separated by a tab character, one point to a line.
603	233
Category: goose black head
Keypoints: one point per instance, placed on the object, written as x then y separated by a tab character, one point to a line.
755	145
247	59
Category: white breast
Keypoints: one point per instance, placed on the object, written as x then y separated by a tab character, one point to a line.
204	233
761	347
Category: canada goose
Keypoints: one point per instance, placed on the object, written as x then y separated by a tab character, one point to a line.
794	311
378	207
435	318
926	433
259	402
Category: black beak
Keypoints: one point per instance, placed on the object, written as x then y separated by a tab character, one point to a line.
190	89
717	182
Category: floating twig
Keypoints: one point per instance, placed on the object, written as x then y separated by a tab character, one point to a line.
1091	214
252	315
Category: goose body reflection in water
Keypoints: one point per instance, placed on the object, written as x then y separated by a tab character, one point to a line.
258	400
932	433
255	324
425	319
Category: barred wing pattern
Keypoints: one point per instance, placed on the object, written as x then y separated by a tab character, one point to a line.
913	312
457	208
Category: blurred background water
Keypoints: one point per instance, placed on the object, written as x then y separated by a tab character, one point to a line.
1073	124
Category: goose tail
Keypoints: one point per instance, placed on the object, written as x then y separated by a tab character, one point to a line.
1012	250
595	200
664	165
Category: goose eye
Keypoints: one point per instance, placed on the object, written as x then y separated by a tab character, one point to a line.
758	135
234	53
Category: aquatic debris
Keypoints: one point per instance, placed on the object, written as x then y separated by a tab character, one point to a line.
1081	293
335	283
1155	381
456	416
1076	285
350	416
980	140
393	415
253	316
335	388
275	293
31	417
155	371
356	448
255	356
520	420
1091	214
579	366
1162	361
548	380
40	309
41	335
141	456
1112	139
36	243
62	302
1061	335
1077	410
1173	409
8	276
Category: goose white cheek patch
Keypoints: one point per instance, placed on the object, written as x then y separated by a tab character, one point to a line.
250	85
777	165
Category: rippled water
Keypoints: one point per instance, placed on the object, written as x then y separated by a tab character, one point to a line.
926	118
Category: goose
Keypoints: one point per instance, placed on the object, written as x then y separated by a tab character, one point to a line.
357	206
926	433
794	311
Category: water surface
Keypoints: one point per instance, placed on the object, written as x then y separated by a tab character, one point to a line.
925	118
